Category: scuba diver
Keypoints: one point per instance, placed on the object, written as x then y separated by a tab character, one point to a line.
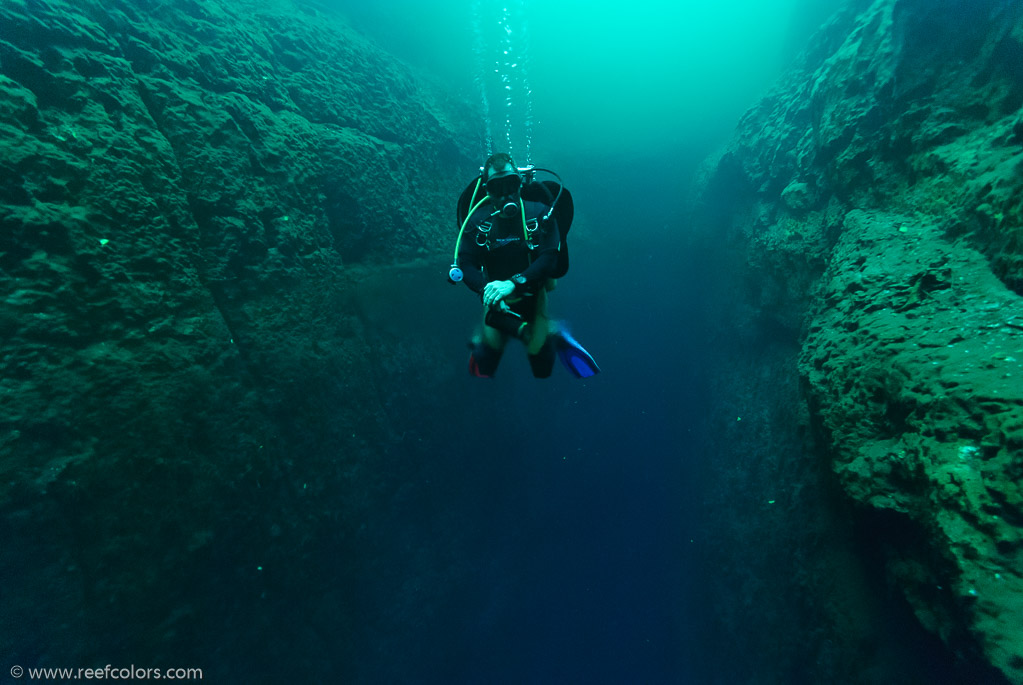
511	246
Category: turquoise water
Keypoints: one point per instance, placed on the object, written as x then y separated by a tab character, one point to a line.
610	78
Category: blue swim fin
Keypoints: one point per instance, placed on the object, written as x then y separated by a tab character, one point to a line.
574	356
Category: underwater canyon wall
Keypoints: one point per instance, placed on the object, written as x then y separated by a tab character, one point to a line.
191	193
869	211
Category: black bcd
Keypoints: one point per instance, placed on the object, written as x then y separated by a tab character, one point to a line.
536	191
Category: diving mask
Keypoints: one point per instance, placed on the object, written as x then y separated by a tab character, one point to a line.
504	185
504	193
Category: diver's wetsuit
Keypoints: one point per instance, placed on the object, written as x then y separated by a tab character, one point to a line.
500	254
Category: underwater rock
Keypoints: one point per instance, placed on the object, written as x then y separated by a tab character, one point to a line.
188	192
912	365
901	283
797	196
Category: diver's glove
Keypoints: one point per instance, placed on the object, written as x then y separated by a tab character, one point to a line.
495	291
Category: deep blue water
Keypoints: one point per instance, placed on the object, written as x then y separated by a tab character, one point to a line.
563	509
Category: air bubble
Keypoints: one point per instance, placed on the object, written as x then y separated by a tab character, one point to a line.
509	43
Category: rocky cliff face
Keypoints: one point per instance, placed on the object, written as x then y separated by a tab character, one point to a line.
876	196
190	195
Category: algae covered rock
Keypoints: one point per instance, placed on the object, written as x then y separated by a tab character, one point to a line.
188	191
874	195
797	196
913	368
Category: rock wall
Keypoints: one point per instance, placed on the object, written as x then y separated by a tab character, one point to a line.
191	194
872	206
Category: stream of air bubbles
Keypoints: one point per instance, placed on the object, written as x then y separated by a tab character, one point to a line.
502	59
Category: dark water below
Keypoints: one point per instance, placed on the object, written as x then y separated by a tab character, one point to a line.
564	508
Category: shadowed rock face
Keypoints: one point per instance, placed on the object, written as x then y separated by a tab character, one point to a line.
877	197
189	192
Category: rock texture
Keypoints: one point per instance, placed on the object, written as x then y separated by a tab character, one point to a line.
877	197
191	194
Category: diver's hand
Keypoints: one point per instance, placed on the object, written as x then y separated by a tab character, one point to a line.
495	291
